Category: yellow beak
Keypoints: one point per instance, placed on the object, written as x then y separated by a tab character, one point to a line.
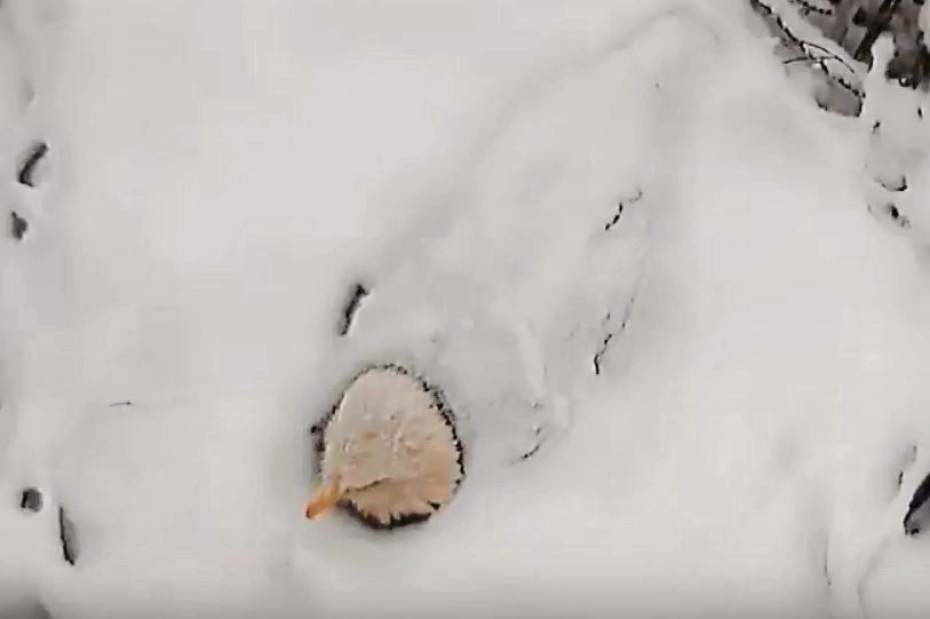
325	497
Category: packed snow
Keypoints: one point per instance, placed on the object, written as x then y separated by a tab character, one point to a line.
681	326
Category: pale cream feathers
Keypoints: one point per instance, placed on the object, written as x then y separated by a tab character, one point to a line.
389	451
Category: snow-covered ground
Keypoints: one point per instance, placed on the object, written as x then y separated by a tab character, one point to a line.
684	339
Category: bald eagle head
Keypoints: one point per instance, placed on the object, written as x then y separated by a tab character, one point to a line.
388	451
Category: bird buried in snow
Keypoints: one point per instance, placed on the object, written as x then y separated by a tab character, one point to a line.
388	451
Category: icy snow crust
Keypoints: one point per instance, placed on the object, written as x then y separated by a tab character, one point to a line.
221	175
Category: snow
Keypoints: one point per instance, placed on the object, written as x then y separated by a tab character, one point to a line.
222	175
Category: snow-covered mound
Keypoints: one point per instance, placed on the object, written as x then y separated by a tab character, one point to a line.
683	333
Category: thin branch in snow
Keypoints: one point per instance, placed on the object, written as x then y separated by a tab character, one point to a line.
538	441
809	7
620	206
828	55
876	25
26	174
918	510
608	338
67	536
601	352
848	82
801	59
359	292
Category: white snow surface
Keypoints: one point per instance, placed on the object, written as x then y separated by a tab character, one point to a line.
222	173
